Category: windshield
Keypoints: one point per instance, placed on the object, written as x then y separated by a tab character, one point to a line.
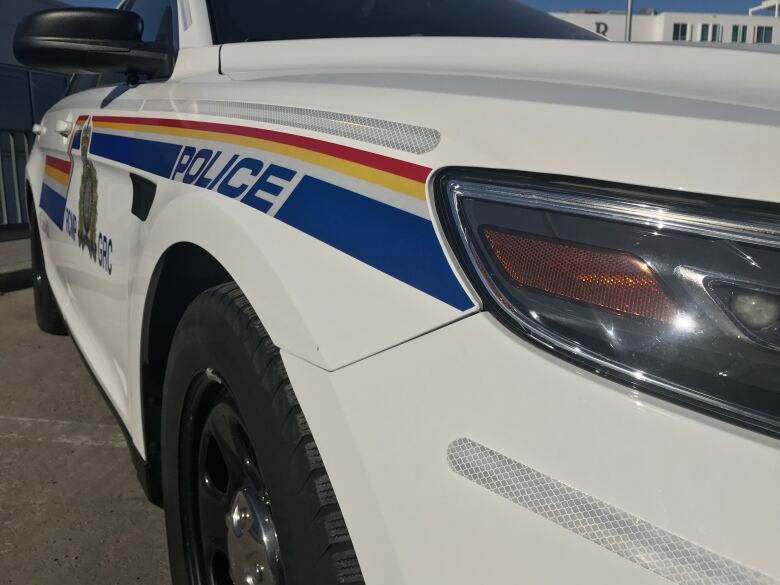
235	21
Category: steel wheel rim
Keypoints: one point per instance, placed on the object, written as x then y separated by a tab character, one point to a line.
232	533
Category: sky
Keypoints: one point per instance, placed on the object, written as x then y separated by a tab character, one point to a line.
728	6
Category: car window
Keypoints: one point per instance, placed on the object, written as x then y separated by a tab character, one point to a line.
158	20
112	78
235	21
81	82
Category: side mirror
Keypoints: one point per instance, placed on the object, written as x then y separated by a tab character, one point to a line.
89	40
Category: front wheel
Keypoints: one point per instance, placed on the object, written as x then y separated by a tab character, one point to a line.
47	311
247	497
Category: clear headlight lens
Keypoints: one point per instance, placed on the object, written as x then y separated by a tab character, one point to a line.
677	294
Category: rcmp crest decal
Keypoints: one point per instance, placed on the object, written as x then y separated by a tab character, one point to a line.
88	197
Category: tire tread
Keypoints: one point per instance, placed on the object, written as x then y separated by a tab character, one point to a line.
334	557
47	311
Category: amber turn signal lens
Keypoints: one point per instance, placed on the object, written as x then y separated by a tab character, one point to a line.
611	279
677	294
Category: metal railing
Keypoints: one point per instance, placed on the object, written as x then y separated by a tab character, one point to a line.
14	149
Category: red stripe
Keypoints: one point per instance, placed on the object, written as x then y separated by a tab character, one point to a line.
370	159
60	165
81	119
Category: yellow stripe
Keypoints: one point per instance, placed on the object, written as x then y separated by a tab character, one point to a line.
379	177
58	175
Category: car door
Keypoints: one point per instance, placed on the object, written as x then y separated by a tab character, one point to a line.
98	222
57	130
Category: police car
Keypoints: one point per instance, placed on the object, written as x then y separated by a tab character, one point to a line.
400	292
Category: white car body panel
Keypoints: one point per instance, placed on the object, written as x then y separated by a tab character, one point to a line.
688	474
389	375
194	28
627	110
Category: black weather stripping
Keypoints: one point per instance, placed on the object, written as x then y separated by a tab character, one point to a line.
143	196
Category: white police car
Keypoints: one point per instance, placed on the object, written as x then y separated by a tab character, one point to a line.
522	292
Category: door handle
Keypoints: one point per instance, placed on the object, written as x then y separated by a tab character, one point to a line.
63	127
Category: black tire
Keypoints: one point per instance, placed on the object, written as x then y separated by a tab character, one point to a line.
223	367
47	311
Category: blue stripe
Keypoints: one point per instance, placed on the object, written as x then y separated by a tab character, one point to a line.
76	141
151	156
398	243
53	204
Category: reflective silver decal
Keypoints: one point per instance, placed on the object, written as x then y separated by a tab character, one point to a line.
642	543
126	104
406	137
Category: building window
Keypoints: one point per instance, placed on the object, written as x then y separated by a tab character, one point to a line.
763	34
705	33
738	33
680	31
716	33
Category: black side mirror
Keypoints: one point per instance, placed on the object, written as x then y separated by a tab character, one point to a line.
89	40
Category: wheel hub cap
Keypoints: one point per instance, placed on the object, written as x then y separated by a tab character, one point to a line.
253	548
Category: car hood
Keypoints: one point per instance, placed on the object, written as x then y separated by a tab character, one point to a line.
712	74
678	117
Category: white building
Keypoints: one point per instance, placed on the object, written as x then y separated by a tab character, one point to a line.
691	27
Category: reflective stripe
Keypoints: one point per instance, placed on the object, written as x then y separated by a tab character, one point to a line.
390	239
53	204
644	544
399	244
405	137
398	175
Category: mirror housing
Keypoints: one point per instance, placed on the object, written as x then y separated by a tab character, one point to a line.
89	40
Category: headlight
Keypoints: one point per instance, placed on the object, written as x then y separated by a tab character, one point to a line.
674	293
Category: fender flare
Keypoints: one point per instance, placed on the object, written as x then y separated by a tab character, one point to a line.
224	236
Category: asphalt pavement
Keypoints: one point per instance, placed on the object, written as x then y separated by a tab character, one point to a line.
71	509
15	264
